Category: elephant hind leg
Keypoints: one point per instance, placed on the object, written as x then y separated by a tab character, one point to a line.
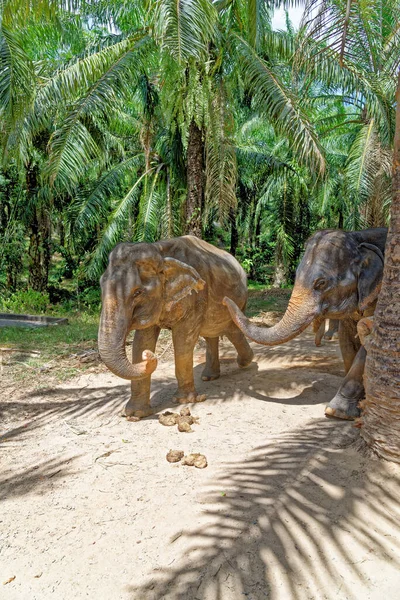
319	330
212	368
245	354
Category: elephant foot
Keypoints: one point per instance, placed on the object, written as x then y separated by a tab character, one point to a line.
139	411
245	360
189	398
341	407
209	375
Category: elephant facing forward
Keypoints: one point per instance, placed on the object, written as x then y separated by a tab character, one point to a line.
148	287
339	277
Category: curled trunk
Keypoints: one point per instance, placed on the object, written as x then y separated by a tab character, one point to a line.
111	340
299	314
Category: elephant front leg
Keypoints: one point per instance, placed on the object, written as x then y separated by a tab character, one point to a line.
212	368
184	340
345	404
348	341
139	403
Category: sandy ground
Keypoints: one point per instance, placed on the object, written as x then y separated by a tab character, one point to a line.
286	509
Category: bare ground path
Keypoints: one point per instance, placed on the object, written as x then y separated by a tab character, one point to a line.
287	508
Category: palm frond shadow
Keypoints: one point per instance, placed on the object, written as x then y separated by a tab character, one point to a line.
61	403
34	479
295	520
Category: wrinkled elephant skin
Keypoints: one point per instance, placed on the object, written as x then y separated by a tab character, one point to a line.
175	284
338	278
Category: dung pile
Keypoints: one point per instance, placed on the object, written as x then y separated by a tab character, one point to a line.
191	460
184	420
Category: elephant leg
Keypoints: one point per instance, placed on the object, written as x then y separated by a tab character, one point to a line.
139	403
348	341
345	404
212	368
245	354
319	330
184	338
333	326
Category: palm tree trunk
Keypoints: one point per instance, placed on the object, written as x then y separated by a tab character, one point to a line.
39	251
381	416
234	232
195	181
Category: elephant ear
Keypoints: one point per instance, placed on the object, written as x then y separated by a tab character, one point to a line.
180	280
370	277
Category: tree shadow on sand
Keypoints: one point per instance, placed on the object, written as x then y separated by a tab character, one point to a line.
299	518
38	478
308	365
270	386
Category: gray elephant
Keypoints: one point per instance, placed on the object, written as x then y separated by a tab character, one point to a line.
339	277
148	287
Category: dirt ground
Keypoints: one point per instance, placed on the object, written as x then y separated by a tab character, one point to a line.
286	509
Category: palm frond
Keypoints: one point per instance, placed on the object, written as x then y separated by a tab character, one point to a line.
221	171
115	228
90	209
276	101
71	145
17	84
186	27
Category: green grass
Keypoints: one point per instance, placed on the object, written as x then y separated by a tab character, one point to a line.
56	340
262	299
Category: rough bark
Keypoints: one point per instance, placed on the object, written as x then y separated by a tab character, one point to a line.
195	182
381	415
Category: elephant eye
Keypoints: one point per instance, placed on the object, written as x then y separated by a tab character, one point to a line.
137	293
320	283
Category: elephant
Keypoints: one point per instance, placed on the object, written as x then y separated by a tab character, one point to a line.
147	287
319	329
339	277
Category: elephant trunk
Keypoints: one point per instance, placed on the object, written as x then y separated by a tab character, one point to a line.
301	311
113	331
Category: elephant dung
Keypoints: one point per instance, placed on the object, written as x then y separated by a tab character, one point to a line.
184	426
185	411
168	418
195	460
174	456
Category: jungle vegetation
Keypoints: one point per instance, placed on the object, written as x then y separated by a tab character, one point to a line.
137	120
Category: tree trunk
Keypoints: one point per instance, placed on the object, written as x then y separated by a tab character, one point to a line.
39	252
39	238
234	232
195	182
381	415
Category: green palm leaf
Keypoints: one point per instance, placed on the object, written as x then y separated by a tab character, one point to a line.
186	27
274	99
72	146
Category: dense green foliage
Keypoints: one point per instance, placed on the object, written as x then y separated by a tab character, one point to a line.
97	100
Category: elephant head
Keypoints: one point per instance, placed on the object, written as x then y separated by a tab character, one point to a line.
338	274
138	285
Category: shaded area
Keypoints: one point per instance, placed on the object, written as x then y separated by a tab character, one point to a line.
295	520
59	403
34	479
267	385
